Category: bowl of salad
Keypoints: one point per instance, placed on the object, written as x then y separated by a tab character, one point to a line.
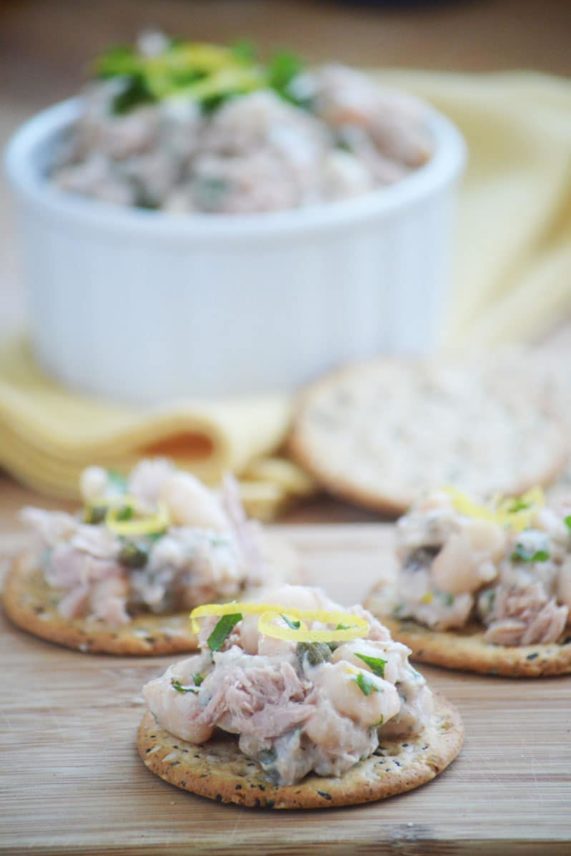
200	223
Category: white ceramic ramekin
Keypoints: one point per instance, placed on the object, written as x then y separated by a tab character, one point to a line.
143	306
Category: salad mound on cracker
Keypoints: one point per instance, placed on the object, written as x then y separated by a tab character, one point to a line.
506	565
305	686
157	541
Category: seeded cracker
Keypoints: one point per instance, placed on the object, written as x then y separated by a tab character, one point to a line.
32	605
384	432
219	771
466	650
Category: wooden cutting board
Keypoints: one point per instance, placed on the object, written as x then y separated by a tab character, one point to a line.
71	780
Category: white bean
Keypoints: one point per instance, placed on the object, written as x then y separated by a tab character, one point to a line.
190	503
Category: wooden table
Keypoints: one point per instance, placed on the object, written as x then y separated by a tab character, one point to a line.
71	780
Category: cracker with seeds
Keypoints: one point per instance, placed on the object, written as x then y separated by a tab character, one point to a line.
30	603
466	649
295	702
219	771
120	575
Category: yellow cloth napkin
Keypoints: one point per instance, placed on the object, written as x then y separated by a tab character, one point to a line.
48	435
512	283
512	277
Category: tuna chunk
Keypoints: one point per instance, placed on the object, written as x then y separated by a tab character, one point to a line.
255	695
525	616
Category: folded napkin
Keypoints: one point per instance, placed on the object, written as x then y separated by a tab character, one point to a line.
48	435
512	278
512	283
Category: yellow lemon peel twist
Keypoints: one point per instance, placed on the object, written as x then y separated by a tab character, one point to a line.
354	626
148	524
514	513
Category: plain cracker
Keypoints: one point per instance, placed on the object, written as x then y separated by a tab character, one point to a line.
335	414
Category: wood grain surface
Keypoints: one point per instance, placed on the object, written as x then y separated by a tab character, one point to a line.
71	781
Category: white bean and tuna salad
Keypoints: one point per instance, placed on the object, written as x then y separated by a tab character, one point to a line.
190	127
300	697
506	565
157	541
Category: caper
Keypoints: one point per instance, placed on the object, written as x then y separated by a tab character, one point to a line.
94	514
313	652
134	554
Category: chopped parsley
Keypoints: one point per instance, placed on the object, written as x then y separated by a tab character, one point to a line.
518	505
244	50
376	664
181	688
524	554
207	74
282	70
365	684
127	512
447	598
567	521
292	624
222	630
134	93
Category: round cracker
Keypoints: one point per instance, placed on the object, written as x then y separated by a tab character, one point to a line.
219	771
381	433
33	605
466	650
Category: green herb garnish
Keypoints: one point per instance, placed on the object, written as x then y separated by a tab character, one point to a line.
376	664
222	630
206	74
523	554
518	505
282	69
198	679
365	684
293	625
127	512
447	598
117	61
244	50
181	688
567	521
